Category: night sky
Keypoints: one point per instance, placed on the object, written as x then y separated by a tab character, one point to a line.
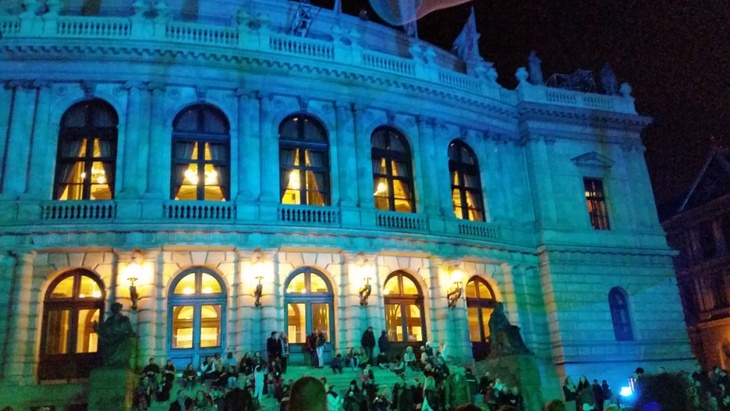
675	55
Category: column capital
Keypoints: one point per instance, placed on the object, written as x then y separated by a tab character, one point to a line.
425	121
132	85
89	88
26	257
343	107
156	86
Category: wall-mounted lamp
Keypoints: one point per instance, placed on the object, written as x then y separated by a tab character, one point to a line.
453	295
259	291
133	272
364	292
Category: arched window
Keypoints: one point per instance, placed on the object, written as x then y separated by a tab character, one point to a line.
618	302
392	171
197	307
200	155
404	311
480	303
309	305
304	161
466	185
87	152
69	344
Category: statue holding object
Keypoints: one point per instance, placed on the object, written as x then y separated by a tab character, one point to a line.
505	338
116	339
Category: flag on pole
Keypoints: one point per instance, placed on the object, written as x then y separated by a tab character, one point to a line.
338	6
466	44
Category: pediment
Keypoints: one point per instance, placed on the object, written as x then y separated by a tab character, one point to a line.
592	160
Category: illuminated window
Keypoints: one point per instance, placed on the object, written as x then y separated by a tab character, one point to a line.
596	202
69	344
304	161
197	315
404	311
392	171
480	303
618	303
87	150
309	300
200	155
466	185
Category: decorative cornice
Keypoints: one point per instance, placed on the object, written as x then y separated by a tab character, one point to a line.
529	111
593	160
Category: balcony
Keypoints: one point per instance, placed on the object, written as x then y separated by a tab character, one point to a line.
83	211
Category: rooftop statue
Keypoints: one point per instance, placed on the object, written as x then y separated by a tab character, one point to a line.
400	12
116	339
505	338
535	69
608	80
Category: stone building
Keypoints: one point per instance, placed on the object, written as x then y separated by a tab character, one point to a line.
699	229
237	178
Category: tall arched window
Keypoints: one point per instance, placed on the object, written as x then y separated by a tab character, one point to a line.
309	305
200	155
392	171
404	311
304	161
87	152
69	344
480	303
197	307
618	302
466	185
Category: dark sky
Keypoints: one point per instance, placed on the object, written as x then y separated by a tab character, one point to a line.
675	55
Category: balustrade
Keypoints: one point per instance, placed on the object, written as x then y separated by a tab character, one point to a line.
198	211
400	221
78	210
100	27
309	215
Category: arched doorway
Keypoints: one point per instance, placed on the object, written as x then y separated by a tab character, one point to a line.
197	307
404	313
480	303
69	344
308	300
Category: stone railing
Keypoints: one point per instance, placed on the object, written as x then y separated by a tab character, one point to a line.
195	33
298	214
478	229
461	81
198	211
302	47
98	27
400	221
560	97
9	25
78	210
388	63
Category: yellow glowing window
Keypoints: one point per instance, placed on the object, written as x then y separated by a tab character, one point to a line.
297	284
64	289
186	285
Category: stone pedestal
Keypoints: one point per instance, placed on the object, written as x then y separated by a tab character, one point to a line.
522	371
111	389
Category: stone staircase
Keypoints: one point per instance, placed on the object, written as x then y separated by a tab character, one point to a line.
340	382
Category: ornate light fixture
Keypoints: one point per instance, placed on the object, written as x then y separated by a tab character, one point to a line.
456	291
366	289
259	291
133	272
256	260
364	292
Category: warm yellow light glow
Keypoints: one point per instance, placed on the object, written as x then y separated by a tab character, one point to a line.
191	176
206	290
96	294
294	182
386	292
187	291
82	296
382	188
457	275
211	178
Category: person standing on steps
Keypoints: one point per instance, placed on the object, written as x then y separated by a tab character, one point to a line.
368	343
312	348
272	347
384	344
283	350
321	340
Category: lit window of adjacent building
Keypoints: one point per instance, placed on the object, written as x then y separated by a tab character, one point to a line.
466	185
304	161
596	202
200	155
392	171
69	344
618	303
86	155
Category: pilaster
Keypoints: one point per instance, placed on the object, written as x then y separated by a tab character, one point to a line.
431	197
159	144
248	316
438	331
442	176
42	154
7	269
539	151
18	148
249	153
19	362
269	161
130	178
346	146
364	168
6	105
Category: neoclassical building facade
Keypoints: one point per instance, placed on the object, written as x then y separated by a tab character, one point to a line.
229	179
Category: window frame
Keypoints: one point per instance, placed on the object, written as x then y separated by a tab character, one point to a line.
391	156
461	168
405	300
201	137
595	200
90	133
303	146
70	364
622	330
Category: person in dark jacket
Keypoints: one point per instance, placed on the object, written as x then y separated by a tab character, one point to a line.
273	348
368	343
182	402
312	349
384	344
238	398
597	395
471	380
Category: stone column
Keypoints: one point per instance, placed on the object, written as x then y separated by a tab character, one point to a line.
540	172
18	146
430	158
487	154
249	155
7	269
157	166
19	360
441	172
129	176
271	312
248	316
438	329
157	294
41	153
269	160
6	104
364	168
509	294
345	149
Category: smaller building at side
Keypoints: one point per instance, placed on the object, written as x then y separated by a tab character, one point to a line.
699	229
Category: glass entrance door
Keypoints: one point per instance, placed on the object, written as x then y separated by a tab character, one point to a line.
308	306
